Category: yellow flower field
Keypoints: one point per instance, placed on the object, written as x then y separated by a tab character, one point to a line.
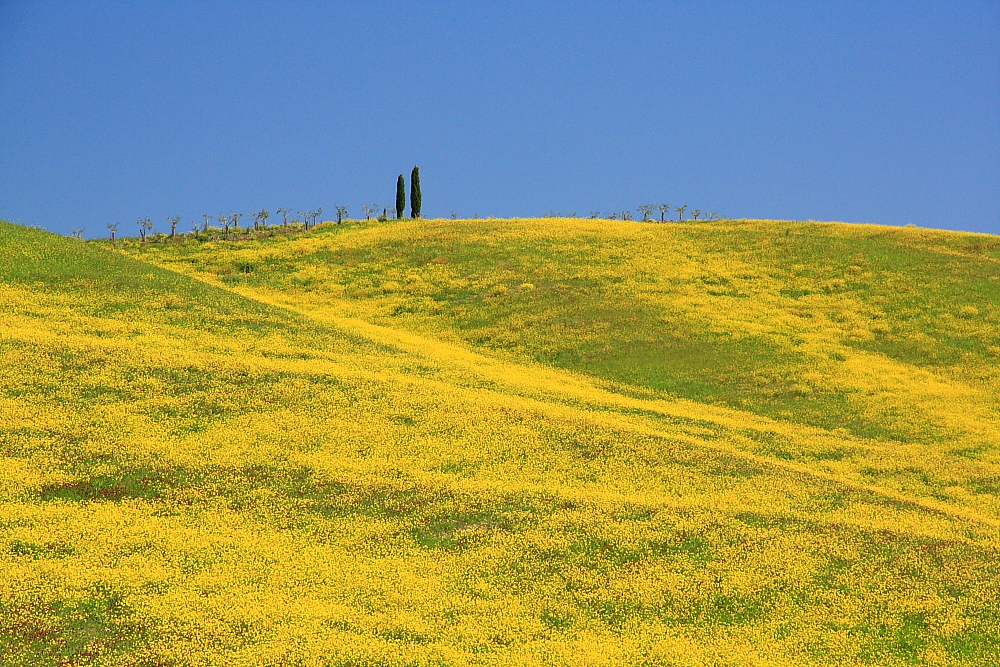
502	442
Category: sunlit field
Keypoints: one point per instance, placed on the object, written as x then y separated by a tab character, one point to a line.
501	442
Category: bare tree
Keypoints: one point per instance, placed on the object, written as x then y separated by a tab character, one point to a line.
194	227
710	215
341	213
207	218
664	209
113	228
315	215
235	217
305	218
680	212
647	211
695	213
594	215
174	221
145	225
225	223
260	219
626	214
368	211
78	233
284	212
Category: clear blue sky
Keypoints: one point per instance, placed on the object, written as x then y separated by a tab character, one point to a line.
885	112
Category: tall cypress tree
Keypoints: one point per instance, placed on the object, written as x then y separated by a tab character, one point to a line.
400	196
415	193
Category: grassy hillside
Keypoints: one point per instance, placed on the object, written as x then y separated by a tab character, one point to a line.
502	442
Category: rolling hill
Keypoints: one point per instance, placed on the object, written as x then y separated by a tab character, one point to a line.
502	442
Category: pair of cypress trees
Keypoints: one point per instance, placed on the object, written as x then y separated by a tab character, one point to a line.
414	194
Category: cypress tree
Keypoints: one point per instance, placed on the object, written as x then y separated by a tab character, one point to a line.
415	193
400	196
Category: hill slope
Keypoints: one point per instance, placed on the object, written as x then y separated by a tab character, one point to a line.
781	319
367	445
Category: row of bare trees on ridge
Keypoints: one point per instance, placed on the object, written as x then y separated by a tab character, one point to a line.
229	225
649	212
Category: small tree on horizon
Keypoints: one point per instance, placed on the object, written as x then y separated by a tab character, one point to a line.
400	197
664	209
207	218
145	225
284	212
174	221
415	198
341	213
680	212
113	228
260	219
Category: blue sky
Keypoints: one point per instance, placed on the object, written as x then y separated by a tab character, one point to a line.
885	112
